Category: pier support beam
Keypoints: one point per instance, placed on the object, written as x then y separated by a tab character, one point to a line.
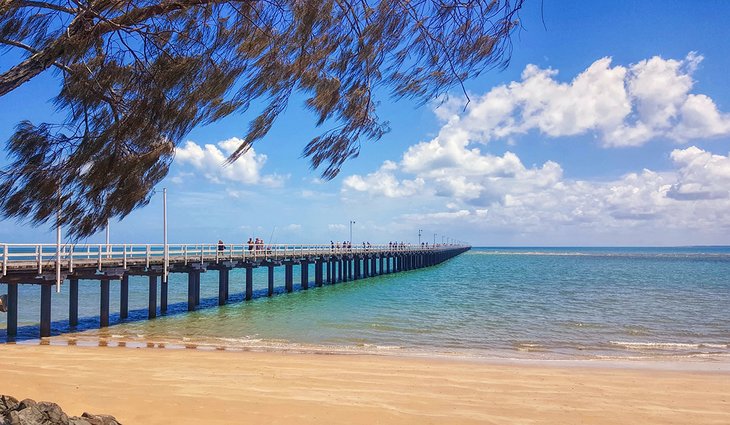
124	297
271	279
197	288
249	282
104	304
345	268
318	272
12	325
73	303
382	261
356	264
223	285
289	276
340	272
152	305
387	263
304	271
45	310
191	289
329	269
163	295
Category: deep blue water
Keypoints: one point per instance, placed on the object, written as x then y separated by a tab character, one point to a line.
503	302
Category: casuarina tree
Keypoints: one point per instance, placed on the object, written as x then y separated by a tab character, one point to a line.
135	76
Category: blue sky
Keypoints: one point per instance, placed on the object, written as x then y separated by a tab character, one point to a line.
611	126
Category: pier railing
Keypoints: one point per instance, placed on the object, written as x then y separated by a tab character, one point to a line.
47	257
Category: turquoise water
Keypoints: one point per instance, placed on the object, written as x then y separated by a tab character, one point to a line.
494	302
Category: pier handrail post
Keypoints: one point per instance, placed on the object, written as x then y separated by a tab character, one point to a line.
5	259
39	253
58	259
124	262
147	257
71	258
99	257
201	253
185	254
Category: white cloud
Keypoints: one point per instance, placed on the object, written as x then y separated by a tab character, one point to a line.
336	227
510	196
293	227
702	175
210	161
383	183
623	106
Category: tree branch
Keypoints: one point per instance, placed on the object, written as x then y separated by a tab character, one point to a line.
45	5
32	50
82	39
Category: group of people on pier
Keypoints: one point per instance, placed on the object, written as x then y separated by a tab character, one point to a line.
253	245
346	246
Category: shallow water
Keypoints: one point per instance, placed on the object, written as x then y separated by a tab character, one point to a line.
495	302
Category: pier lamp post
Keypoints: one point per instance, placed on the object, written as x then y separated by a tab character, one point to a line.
434	239
165	250
419	236
351	223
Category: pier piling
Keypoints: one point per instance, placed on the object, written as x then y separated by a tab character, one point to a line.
45	310
223	275
271	279
12	325
104	304
249	282
152	305
191	289
163	296
124	297
73	303
304	271
289	276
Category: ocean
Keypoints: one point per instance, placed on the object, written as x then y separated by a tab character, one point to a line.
534	303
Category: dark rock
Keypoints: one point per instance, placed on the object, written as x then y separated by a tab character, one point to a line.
12	418
28	412
53	413
30	415
100	419
25	404
7	403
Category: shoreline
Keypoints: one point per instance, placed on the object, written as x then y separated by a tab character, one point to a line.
697	362
156	386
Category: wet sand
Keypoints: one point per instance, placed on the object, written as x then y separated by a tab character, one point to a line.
163	386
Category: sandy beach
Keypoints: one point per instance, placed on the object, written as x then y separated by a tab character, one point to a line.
162	386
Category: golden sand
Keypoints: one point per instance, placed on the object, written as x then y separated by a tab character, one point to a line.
158	386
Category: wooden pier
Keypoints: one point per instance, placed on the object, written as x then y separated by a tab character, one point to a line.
48	265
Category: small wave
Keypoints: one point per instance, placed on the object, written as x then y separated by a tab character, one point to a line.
648	255
669	345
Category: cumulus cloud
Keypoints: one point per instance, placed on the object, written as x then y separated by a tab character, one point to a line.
210	161
383	182
622	105
336	227
508	195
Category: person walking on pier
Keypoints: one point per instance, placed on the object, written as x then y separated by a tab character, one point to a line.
221	245
250	244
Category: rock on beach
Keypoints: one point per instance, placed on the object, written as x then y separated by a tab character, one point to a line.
29	412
